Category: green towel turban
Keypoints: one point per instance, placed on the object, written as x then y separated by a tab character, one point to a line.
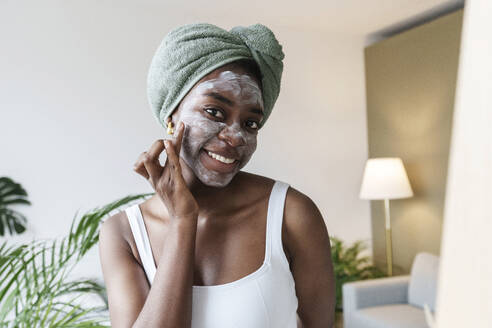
189	52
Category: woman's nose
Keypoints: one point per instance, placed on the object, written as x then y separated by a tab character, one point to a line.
233	135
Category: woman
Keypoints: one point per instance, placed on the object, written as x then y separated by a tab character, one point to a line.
216	246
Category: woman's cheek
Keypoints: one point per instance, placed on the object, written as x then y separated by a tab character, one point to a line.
204	130
248	151
199	131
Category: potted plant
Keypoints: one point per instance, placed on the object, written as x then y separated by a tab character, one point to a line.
36	289
11	193
348	265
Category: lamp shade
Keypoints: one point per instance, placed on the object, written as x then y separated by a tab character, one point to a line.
385	178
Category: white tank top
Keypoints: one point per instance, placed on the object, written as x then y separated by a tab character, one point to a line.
265	298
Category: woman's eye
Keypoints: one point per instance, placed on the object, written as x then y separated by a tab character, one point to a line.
254	125
213	112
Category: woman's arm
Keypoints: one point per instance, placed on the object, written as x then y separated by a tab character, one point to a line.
168	303
311	265
131	302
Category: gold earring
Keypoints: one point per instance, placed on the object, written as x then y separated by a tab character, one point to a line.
170	129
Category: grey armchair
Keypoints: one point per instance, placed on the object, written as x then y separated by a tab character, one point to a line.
393	302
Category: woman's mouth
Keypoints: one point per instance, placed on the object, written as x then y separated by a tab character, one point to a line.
216	162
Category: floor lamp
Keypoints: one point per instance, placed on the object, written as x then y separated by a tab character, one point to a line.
384	179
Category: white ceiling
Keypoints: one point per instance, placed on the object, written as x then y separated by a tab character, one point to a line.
350	17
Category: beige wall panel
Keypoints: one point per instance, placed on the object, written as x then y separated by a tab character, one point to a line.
410	81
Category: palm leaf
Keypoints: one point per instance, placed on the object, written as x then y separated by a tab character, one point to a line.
35	285
11	193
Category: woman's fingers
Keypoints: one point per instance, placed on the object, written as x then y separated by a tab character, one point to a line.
172	156
168	181
151	161
156	149
173	148
139	167
179	137
148	164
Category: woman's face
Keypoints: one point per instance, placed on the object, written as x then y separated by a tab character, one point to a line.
222	113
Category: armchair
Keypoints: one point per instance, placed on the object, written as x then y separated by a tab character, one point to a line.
393	302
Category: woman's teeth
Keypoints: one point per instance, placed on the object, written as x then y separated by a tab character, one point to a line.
221	158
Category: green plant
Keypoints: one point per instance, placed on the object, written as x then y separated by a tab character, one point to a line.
11	193
348	265
35	285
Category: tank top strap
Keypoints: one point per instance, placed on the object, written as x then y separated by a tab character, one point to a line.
274	223
141	238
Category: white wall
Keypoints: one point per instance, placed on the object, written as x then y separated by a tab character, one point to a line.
74	113
464	297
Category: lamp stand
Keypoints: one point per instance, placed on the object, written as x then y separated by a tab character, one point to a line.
389	254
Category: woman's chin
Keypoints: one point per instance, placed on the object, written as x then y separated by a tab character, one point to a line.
216	184
214	179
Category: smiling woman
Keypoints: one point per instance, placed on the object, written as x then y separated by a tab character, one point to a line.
220	105
216	246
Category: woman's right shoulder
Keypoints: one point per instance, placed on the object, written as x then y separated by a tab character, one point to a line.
116	226
115	232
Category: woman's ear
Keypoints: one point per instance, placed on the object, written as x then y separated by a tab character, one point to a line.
175	117
172	118
172	128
